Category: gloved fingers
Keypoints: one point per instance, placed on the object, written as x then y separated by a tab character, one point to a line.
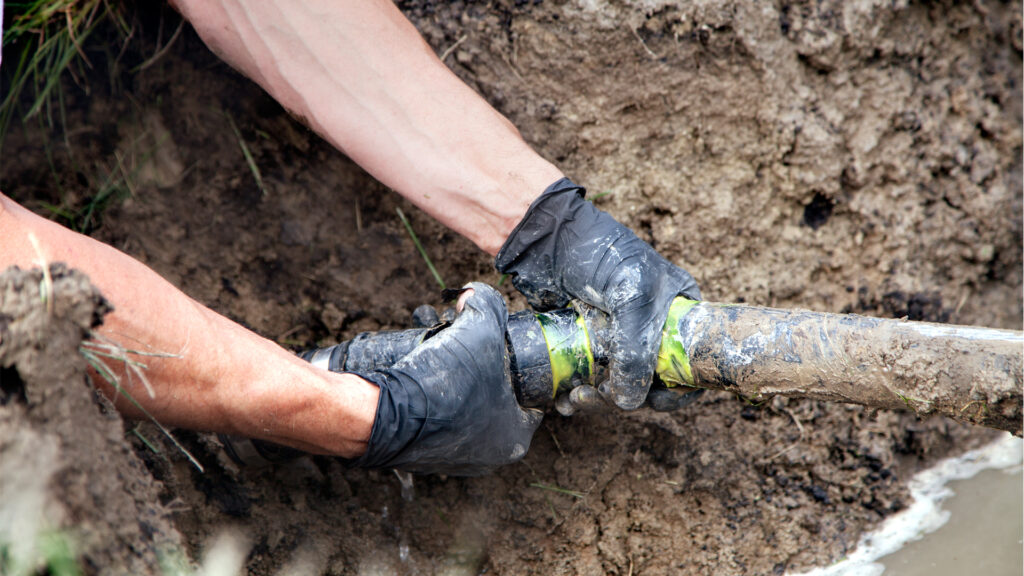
425	316
639	307
450	406
539	298
564	406
581	399
635	342
659	398
663	399
449	314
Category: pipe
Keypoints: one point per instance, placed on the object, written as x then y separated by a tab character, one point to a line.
967	373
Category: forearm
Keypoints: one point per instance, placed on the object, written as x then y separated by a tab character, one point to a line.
218	376
359	73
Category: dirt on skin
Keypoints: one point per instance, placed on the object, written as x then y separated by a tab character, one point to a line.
839	156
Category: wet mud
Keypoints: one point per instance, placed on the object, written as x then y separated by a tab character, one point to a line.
836	156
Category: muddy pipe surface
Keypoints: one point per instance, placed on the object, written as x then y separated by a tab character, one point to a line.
967	373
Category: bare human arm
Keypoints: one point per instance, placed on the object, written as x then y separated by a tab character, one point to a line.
447	407
360	75
222	378
358	72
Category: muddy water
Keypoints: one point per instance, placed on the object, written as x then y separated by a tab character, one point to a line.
967	518
984	534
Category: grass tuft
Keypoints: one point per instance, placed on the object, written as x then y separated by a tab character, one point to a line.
98	350
112	183
52	552
46	36
59	554
85	215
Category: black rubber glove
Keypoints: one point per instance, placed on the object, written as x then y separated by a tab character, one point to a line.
448	406
566	248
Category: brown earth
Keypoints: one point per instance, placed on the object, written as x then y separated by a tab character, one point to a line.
64	460
839	156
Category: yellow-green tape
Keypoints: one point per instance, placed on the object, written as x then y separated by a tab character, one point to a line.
568	349
673	364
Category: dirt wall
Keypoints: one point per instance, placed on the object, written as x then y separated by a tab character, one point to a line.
67	474
859	155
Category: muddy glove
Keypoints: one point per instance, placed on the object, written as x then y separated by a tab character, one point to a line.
448	406
566	248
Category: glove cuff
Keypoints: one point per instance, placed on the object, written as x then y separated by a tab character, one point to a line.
526	232
529	252
395	426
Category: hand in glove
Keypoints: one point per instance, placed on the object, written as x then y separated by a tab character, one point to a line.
565	248
448	406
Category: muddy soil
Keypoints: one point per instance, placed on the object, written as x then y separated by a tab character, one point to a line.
840	156
65	466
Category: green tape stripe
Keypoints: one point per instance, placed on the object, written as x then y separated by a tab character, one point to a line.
673	363
568	349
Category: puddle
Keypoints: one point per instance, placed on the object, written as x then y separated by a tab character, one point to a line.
983	535
966	518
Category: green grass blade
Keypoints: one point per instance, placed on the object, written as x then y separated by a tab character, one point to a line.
104	370
248	155
416	241
558	489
